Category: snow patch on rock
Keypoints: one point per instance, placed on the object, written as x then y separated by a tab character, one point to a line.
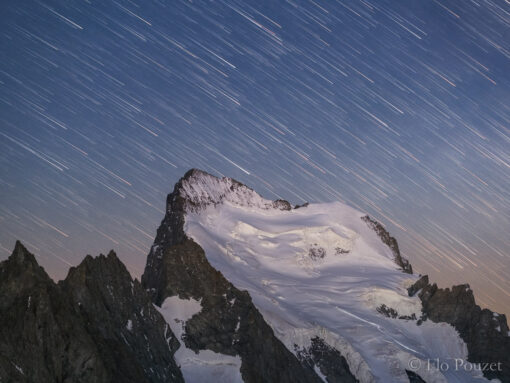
405	306
205	366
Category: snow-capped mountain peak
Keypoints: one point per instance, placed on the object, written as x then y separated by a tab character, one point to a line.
200	189
324	277
238	288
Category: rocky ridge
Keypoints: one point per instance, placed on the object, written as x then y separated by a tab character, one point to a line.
389	241
486	333
98	325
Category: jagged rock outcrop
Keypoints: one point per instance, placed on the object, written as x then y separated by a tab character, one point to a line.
418	285
414	377
389	241
392	313
228	323
42	339
486	333
301	206
130	333
328	360
87	328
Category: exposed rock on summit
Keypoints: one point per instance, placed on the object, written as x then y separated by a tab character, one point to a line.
199	189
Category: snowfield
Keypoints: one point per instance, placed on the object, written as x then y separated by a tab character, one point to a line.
317	271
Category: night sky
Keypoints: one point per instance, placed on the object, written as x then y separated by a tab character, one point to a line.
400	109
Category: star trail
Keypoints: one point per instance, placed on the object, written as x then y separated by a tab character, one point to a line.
400	109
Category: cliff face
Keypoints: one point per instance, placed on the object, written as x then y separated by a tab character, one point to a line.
42	338
133	338
98	325
389	241
486	333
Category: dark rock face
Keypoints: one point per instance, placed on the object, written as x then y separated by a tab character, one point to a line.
389	241
229	323
392	313
302	205
131	334
418	285
76	331
42	339
485	333
387	311
328	360
316	252
414	377
281	204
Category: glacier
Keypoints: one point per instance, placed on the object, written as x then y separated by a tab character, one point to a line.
320	270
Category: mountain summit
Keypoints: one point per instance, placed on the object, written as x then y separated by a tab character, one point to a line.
200	189
238	288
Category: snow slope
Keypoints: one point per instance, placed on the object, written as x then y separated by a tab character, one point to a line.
321	271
